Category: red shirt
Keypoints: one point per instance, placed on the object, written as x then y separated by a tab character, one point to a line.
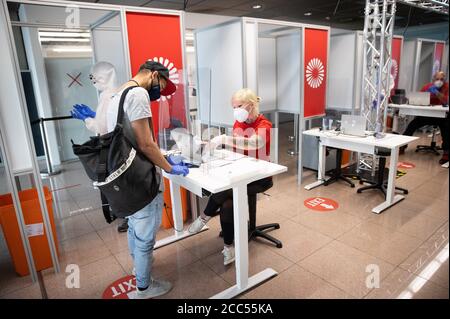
434	100
260	126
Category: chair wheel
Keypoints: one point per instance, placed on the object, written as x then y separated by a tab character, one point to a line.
417	151
277	226
361	182
352	186
406	192
358	191
279	245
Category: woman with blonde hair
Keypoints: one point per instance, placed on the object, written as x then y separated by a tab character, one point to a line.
251	135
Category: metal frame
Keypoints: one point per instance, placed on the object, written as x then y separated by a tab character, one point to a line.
35	167
377	37
10	176
34	163
437	6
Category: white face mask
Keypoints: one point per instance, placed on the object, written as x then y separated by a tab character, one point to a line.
240	114
438	83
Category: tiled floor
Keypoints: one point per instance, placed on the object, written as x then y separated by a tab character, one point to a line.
346	253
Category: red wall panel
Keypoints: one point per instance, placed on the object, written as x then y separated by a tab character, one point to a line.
315	71
158	36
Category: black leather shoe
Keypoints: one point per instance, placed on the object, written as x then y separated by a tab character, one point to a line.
123	227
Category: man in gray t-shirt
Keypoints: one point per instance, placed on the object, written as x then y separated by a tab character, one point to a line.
152	80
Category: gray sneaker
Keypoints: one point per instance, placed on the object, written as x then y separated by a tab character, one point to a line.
198	224
155	289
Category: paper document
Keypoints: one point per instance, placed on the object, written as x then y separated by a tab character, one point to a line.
35	229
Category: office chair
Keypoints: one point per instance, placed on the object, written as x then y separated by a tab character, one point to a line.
433	148
380	183
336	174
261	230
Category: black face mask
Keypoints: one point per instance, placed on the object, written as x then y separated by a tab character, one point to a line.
154	92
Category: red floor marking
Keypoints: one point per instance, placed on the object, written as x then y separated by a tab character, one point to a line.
321	204
120	288
405	165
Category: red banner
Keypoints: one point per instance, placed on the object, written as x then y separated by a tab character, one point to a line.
438	53
397	44
158	37
315	71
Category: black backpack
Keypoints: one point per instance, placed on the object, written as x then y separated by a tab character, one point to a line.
125	177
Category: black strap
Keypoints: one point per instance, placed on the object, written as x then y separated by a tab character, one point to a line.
121	112
102	170
106	210
101	166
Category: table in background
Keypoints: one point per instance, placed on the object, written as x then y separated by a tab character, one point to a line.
366	145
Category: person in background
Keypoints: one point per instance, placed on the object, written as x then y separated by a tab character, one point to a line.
103	78
251	135
438	96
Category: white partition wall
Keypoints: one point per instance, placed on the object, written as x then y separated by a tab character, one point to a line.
267	67
107	41
289	81
220	70
421	57
345	69
408	65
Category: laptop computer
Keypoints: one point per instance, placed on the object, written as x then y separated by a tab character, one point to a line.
419	98
353	125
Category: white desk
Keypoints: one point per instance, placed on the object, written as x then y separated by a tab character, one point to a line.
363	145
419	110
240	173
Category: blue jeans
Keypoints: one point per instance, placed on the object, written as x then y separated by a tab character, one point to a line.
142	228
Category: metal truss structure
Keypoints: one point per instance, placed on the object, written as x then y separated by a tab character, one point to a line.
376	80
377	43
438	6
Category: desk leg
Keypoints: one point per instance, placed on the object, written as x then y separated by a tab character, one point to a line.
177	208
321	168
243	283
391	198
276	135
177	213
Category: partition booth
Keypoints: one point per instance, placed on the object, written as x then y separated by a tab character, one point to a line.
346	67
285	63
44	78
421	58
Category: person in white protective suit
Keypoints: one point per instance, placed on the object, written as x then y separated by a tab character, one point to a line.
103	78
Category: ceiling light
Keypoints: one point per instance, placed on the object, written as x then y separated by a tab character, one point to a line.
257	6
64	34
327	18
307	13
63	40
72	50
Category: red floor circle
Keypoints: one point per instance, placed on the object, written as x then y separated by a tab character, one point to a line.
321	204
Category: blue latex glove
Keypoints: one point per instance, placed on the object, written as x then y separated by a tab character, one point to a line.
176	160
179	170
85	110
77	115
434	90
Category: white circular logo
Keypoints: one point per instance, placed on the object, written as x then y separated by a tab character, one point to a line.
394	68
315	73
173	74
